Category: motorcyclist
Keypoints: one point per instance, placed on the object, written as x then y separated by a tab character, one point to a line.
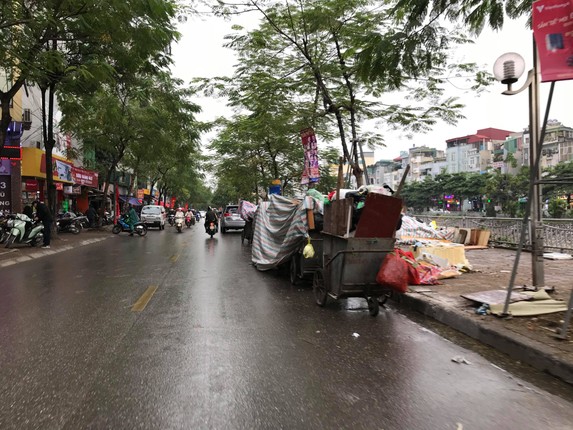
180	215
211	216
132	219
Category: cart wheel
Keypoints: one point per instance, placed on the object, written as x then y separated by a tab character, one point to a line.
319	288
294	269
373	306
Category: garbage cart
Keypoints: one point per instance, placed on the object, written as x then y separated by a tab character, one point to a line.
349	268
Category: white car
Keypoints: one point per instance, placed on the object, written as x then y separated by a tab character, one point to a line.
153	216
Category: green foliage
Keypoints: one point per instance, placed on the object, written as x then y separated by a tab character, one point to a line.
557	208
316	62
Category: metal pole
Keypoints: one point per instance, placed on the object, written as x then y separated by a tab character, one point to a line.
538	275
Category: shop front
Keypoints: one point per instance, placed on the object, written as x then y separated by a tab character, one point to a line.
34	184
85	191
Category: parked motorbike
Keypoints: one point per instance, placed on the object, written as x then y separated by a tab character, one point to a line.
179	224
69	222
23	230
123	226
211	229
6	222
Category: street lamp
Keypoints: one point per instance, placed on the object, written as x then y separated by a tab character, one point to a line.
508	69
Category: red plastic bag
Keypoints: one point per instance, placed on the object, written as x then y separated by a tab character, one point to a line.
393	273
413	272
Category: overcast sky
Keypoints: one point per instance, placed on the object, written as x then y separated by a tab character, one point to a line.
200	53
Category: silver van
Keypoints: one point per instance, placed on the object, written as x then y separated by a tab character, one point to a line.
153	216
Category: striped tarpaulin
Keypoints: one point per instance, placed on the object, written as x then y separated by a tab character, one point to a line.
280	226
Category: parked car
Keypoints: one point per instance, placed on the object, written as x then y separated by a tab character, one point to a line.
153	216
230	219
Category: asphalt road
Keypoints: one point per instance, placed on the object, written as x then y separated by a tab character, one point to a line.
179	331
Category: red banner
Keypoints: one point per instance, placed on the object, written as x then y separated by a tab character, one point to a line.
84	177
173	200
311	172
553	32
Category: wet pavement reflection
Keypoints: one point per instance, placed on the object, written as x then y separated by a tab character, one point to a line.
220	345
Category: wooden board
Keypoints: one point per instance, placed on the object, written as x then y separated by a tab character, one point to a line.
483	237
336	216
379	217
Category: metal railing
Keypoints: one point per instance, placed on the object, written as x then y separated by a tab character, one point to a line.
506	232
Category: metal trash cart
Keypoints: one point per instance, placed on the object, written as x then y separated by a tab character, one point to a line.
349	269
300	266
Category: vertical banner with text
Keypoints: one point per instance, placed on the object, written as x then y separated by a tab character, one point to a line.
311	172
553	32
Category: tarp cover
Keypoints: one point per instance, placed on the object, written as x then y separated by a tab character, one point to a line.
280	225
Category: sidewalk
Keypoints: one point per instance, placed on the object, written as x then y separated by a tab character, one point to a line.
63	242
530	340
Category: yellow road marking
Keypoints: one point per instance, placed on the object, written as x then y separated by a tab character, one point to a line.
144	299
174	258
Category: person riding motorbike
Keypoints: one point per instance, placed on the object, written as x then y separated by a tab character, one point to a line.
211	216
132	219
180	215
188	215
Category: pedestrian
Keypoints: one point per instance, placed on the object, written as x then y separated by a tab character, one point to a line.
132	219
28	211
91	215
43	214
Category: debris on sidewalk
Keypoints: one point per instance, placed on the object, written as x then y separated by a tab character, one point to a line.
461	360
557	256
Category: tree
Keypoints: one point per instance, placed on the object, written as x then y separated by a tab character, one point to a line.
310	50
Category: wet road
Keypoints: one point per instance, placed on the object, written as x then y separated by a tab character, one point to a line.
178	331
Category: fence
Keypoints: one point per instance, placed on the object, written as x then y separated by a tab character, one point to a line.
506	232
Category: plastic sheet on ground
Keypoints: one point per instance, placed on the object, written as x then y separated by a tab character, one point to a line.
280	225
413	231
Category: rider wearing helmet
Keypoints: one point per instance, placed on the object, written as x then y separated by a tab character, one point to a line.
211	216
180	214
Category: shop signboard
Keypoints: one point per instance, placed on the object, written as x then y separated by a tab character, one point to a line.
59	186
553	33
84	177
31	185
5	193
5	167
73	189
11	152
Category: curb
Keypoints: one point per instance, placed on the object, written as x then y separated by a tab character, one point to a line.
513	344
45	252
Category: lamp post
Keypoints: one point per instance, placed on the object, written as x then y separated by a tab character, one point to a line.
508	69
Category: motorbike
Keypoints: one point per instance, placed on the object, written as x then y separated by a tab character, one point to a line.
197	216
171	219
24	230
189	220
211	229
123	226
6	222
69	222
179	224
